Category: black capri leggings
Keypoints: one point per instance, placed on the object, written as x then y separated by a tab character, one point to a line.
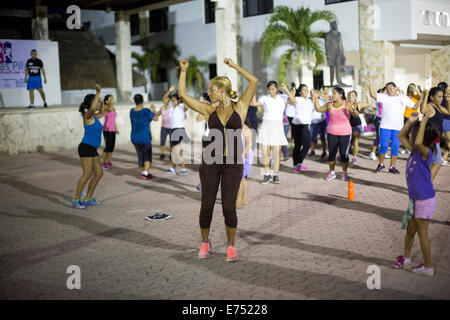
341	142
229	176
302	140
110	141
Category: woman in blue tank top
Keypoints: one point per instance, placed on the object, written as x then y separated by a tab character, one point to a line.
87	150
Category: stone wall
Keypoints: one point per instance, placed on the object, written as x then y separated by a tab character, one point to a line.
56	129
440	65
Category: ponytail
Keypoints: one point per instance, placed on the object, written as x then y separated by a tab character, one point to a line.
86	104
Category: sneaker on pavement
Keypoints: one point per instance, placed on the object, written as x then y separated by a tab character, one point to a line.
403	151
379	168
422	270
344	176
311	154
303	168
77	204
110	165
373	156
45	105
145	176
91	202
30	107
296	168
401	262
444	162
199	188
205	250
104	165
266	179
353	159
276	179
171	170
232	254
330	176
394	170
158	217
386	156
324	154
183	171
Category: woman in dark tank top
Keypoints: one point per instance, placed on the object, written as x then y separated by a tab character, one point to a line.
432	105
219	163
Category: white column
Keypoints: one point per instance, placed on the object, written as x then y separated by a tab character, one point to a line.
228	21
124	75
39	23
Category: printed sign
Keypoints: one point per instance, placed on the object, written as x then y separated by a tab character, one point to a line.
13	57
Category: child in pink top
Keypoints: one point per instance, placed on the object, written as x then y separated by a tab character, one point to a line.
109	131
339	130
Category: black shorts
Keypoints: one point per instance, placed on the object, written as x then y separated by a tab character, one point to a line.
86	150
144	152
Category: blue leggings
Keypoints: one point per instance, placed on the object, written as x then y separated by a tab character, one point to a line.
387	136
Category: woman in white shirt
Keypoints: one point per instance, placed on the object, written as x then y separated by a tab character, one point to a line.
271	134
300	124
394	105
177	133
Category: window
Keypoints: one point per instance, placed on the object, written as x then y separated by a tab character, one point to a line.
158	20
212	70
210	12
318	79
257	7
336	1
161	76
134	24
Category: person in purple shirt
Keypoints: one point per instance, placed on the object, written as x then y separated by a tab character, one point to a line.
421	142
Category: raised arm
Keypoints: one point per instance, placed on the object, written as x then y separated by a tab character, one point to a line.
371	91
291	100
316	103
94	103
424	104
191	102
249	93
351	107
419	102
403	134
167	94
418	144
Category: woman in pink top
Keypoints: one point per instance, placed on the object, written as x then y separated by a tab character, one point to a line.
165	125
109	131
339	130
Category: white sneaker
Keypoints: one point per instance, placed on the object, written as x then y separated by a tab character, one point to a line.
403	151
373	156
171	170
183	171
444	162
386	156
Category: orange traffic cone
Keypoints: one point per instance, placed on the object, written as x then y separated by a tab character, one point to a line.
351	191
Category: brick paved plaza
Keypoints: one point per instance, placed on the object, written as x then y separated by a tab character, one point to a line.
301	239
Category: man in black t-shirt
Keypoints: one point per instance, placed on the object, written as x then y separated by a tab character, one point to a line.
33	69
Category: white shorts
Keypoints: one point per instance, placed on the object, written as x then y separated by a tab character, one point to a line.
271	133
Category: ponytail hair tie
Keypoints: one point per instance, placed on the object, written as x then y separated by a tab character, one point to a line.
437	140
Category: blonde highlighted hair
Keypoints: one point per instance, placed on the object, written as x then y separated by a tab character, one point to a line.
224	82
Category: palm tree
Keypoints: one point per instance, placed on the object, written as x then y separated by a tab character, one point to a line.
142	64
194	77
294	27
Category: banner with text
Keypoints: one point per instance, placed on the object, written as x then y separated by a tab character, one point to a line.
13	57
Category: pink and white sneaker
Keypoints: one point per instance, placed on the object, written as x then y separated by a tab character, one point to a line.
296	169
401	262
344	176
110	165
330	176
303	168
232	254
205	250
422	270
105	165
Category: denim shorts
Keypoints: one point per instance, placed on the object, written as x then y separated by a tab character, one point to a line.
437	156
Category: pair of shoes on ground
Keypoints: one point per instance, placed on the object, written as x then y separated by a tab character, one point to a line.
158	217
146	176
205	252
401	262
268	177
83	203
331	176
32	107
107	165
392	170
183	171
